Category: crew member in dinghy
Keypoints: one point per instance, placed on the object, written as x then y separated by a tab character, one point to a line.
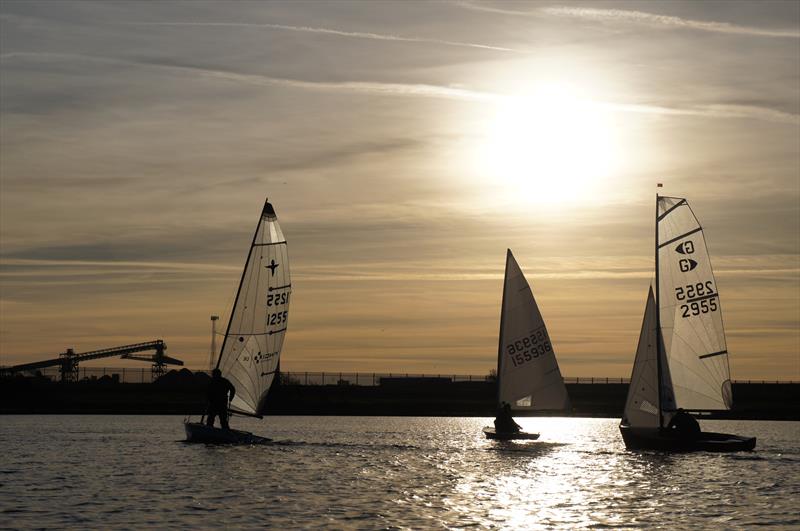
504	423
218	391
684	425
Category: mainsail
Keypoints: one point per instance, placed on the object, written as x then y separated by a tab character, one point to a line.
257	326
689	311
527	370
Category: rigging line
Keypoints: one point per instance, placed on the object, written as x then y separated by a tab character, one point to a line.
673	240
269	244
238	291
673	207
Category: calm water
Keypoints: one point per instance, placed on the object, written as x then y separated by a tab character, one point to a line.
394	473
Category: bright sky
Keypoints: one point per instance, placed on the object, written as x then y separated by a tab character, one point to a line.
405	146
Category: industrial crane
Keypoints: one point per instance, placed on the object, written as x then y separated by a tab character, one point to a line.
68	361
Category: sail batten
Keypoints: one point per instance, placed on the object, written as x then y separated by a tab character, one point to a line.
257	326
527	372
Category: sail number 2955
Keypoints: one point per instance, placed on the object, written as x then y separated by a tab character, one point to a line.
700	298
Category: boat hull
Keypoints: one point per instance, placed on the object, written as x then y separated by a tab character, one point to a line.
654	439
491	433
197	432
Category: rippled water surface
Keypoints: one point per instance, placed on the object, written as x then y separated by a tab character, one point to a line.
384	472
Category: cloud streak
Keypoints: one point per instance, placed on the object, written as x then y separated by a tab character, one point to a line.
665	21
336	32
416	89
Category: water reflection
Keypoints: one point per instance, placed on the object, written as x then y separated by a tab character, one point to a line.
420	473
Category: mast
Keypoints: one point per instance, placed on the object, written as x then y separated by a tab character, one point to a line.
241	281
658	329
502	318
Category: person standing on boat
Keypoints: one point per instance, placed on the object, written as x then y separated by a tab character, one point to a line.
218	391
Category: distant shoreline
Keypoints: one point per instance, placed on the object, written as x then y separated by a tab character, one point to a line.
761	401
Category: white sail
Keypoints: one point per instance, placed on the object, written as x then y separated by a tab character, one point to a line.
644	400
253	341
527	370
690	312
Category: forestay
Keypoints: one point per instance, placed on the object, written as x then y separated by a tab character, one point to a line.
257	326
690	312
528	374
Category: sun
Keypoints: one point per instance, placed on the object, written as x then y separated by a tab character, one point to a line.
549	146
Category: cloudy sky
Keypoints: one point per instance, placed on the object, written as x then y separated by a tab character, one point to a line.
405	146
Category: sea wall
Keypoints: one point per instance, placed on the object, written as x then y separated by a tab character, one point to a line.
438	397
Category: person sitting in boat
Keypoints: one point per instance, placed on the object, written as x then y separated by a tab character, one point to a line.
684	425
504	423
218	391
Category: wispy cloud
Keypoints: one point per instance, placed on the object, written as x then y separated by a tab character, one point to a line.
416	89
486	8
363	87
336	32
665	21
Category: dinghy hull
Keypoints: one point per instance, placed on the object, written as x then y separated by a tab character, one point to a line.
491	433
654	439
197	432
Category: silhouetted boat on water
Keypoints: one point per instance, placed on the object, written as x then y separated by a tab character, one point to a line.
682	357
256	329
528	377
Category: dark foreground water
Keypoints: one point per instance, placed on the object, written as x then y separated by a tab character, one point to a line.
101	472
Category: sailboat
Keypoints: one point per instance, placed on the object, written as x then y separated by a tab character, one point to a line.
253	340
528	378
682	357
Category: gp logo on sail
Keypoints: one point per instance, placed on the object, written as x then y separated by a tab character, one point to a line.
686	264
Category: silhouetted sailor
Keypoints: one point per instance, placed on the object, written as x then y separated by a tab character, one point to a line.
684	425
218	391
504	423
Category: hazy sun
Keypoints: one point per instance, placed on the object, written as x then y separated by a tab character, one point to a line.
549	146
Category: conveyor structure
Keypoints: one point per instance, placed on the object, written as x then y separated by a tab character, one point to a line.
68	361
